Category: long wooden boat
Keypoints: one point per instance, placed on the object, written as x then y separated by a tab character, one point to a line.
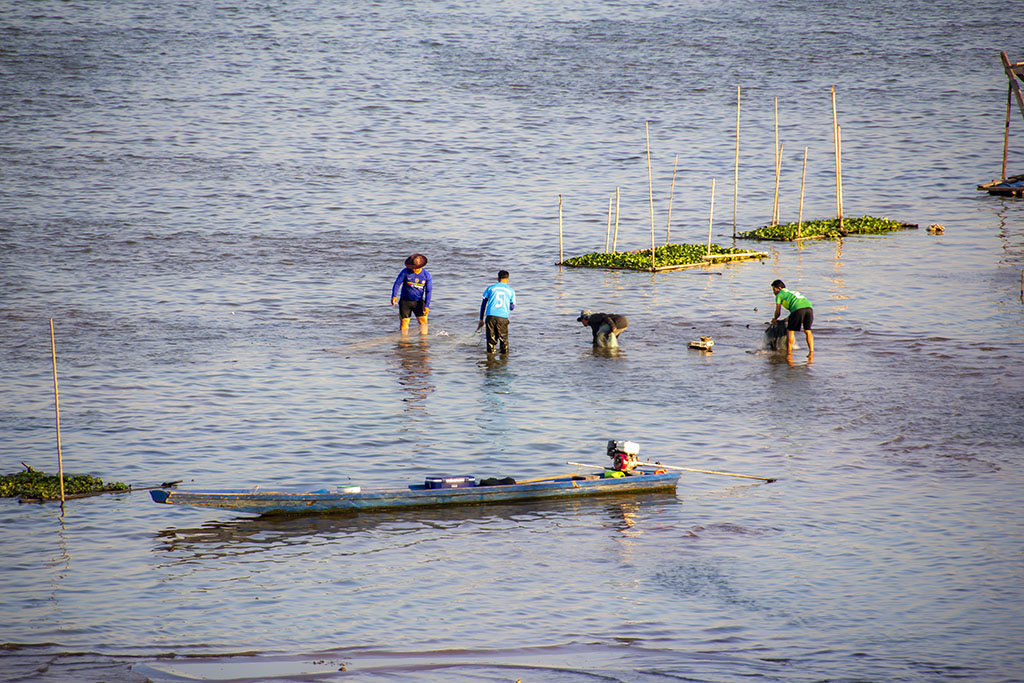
283	500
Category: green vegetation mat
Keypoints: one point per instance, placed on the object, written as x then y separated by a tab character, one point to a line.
32	484
666	255
829	227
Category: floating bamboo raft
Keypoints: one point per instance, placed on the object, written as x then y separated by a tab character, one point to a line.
666	257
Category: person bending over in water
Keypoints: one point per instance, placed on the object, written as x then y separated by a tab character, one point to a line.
411	292
606	327
801	314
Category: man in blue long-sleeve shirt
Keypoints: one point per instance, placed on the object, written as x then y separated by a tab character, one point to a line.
498	301
411	292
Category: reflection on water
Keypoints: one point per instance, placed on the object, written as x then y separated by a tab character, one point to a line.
268	533
410	362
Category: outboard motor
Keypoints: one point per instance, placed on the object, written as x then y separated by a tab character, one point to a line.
775	335
623	455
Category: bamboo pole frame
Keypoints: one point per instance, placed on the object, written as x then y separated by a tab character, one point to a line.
671	192
650	187
736	166
56	410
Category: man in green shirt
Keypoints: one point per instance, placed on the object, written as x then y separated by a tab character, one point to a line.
801	315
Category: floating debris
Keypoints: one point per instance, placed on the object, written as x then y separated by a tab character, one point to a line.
704	344
936	229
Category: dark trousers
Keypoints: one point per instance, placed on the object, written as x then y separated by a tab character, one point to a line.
497	333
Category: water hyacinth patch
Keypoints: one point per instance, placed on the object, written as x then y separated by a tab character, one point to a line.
33	484
829	228
664	256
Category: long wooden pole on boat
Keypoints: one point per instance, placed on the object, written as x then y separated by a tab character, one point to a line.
608	230
650	187
672	191
615	235
800	214
711	214
736	166
56	409
768	480
560	259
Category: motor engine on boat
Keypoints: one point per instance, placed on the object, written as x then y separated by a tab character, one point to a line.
623	454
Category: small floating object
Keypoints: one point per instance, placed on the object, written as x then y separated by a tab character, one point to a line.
349	489
704	344
936	229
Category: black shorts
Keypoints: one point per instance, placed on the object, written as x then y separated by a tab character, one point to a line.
800	317
408	307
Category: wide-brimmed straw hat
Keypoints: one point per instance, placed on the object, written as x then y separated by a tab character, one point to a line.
416	261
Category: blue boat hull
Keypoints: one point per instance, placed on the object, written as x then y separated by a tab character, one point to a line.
261	501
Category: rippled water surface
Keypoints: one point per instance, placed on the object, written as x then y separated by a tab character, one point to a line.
211	200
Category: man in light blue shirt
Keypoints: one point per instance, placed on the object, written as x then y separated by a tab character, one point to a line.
498	301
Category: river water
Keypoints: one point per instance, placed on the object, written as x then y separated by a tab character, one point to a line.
211	200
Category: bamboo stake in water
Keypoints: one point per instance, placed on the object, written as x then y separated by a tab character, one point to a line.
711	214
835	145
800	214
608	230
650	187
1006	130
839	144
56	408
775	203
560	259
736	166
778	173
672	190
615	235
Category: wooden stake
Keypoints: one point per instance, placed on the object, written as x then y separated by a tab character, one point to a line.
650	187
668	226
615	235
736	166
800	215
56	408
835	145
839	143
608	230
560	259
775	204
711	214
778	172
1006	129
